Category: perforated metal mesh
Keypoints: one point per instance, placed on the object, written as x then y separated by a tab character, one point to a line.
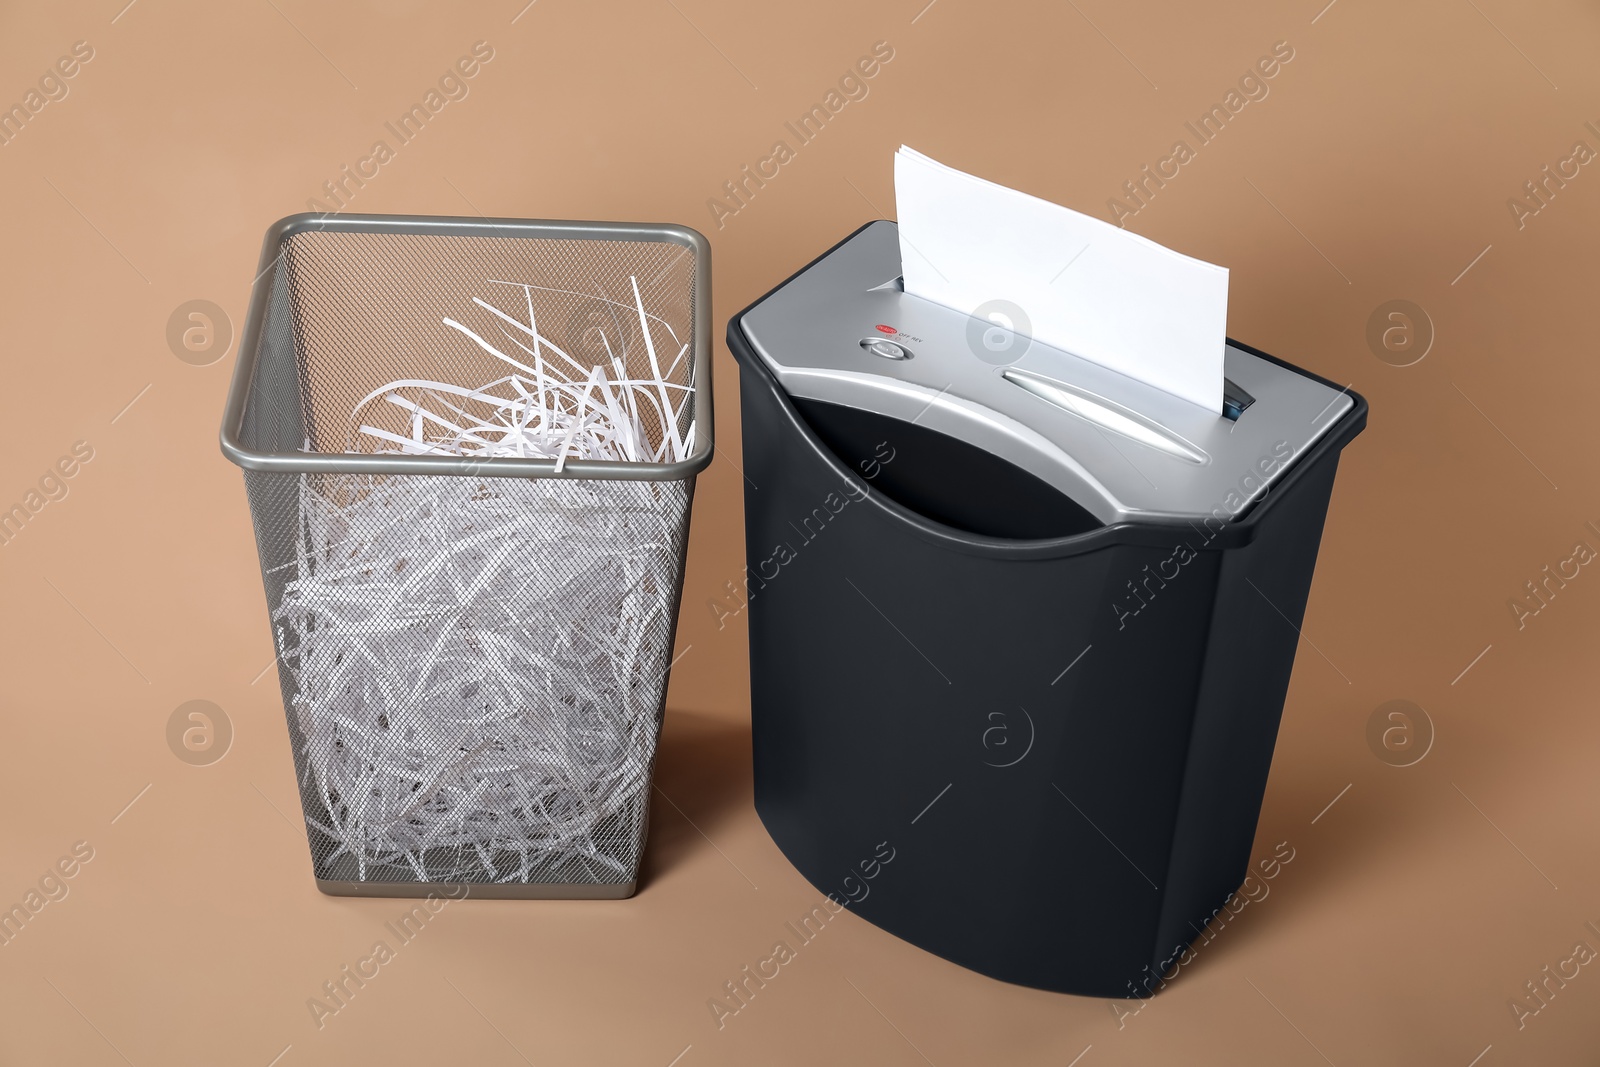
351	312
463	708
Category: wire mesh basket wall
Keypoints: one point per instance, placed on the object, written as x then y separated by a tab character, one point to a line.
472	568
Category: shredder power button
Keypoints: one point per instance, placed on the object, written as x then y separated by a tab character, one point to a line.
879	346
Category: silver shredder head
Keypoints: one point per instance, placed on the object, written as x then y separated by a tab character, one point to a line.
845	333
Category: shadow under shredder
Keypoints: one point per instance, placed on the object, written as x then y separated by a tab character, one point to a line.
1112	577
470	448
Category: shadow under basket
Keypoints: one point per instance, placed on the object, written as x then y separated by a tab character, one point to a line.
473	650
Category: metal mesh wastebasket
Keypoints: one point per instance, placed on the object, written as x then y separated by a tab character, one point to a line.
473	650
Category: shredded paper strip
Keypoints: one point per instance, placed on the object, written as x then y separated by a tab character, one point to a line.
478	661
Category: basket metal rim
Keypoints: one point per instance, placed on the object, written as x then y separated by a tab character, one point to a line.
500	467
335	887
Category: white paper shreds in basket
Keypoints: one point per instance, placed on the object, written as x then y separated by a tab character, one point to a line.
478	661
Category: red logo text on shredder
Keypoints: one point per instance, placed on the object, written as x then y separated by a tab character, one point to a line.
881	328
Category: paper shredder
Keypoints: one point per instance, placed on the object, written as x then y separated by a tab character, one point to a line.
1016	620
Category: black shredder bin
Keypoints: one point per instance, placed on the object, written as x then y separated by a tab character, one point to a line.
1021	627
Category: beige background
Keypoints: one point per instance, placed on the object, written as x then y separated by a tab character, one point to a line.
1378	168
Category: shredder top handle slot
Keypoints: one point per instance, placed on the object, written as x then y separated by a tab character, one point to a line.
269	275
1238	532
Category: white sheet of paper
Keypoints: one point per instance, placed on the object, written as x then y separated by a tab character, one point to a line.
1085	285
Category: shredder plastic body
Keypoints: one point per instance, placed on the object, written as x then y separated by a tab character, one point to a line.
1070	787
